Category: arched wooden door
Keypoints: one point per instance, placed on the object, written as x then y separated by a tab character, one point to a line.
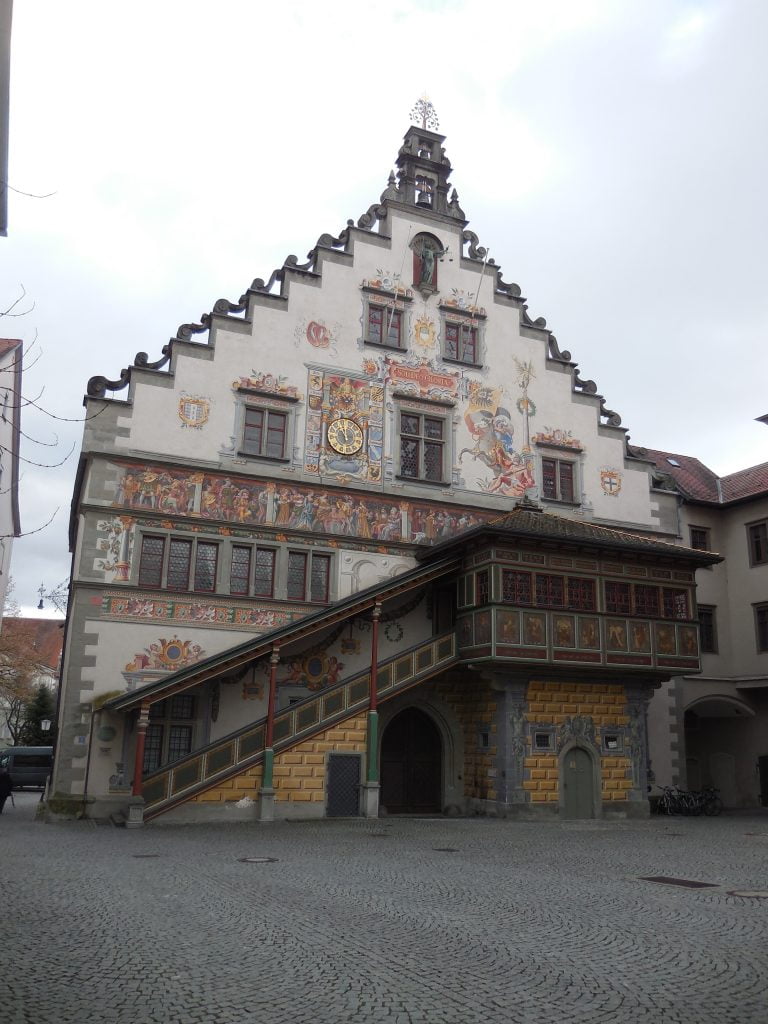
411	764
578	783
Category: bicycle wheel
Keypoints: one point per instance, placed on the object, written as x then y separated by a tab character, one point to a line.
713	807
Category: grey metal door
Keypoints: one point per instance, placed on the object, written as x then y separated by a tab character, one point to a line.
578	784
343	785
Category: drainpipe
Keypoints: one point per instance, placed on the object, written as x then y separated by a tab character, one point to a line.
267	793
371	785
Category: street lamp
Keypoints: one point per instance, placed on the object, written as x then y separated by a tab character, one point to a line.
45	724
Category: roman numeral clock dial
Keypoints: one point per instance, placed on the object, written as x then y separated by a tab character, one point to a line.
345	436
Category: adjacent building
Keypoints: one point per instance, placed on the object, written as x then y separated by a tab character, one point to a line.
364	539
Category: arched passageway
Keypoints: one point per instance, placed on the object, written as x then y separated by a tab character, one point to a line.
411	764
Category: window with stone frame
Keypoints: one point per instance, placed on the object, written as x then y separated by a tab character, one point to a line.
252	571
423	446
707	629
384	326
170	732
757	536
178	563
265	432
308	577
701	538
461	342
558	479
761	627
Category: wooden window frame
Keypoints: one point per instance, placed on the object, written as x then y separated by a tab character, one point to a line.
261	450
309	593
165	578
390	317
757	541
565	495
423	441
708	629
761	627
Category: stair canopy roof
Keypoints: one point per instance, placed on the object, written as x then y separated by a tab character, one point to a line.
235	657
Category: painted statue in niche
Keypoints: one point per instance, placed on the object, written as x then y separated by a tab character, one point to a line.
490	426
427	252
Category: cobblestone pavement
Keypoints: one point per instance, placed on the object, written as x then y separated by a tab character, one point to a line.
398	921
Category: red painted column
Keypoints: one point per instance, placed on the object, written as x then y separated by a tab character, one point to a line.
375	616
372	771
269	754
141	739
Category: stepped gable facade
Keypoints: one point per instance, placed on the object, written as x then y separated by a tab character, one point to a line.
374	465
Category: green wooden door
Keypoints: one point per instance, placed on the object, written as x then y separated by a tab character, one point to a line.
578	784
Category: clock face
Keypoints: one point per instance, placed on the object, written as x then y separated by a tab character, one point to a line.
345	436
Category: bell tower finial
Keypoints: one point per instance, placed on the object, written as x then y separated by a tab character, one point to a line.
424	111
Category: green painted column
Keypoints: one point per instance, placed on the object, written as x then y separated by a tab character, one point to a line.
373	747
269	760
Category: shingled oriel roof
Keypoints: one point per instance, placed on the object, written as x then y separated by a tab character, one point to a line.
697	482
529	522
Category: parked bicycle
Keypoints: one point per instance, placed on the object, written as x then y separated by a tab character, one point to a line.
674	800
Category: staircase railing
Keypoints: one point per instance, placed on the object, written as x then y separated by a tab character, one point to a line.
231	754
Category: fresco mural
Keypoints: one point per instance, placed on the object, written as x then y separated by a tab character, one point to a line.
557	438
266	382
490	426
459	299
120	607
319	334
387	281
161	657
331	397
194	410
610	481
300	507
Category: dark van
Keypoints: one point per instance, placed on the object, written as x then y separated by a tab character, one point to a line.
27	766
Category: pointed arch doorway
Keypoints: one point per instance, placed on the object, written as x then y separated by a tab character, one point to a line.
411	764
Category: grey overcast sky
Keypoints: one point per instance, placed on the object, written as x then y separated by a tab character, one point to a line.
611	154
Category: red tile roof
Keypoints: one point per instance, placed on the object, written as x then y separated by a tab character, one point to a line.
47	637
696	481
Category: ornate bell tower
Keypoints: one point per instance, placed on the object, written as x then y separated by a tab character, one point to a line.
423	168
